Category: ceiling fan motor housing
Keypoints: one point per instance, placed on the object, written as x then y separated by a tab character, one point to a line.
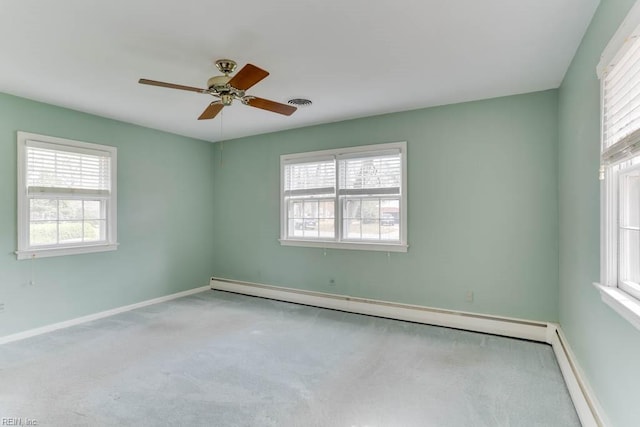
219	83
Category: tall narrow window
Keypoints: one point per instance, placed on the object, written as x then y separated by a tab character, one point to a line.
352	198
619	73
66	196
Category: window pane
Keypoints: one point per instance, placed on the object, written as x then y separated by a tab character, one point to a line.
70	231
295	227
370	210
630	255
43	233
629	226
41	209
370	229
352	208
326	228
95	230
390	219
310	228
630	200
93	209
390	208
295	209
326	209
389	231
70	209
352	229
310	208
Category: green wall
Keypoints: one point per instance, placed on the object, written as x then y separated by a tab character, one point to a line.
482	185
164	221
606	345
503	201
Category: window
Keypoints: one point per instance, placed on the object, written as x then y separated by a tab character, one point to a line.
352	198
619	73
66	197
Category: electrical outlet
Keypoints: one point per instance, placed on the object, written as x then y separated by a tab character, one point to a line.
469	296
1	307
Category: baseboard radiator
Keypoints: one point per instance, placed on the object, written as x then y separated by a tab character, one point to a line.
583	398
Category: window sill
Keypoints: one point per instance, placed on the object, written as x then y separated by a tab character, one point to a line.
381	247
72	250
623	303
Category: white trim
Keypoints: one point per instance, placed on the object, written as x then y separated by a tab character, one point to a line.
58	251
338	154
329	244
79	320
63	144
498	325
25	139
623	303
584	400
329	154
585	403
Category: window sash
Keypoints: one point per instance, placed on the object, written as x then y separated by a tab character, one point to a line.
368	224
628	224
620	214
310	225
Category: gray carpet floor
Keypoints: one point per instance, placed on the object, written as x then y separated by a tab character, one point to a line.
222	359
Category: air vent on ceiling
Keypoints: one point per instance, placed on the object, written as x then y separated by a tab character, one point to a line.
300	102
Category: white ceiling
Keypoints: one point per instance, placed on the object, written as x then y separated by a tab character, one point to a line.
352	58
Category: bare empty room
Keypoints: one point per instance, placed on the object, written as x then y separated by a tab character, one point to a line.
304	213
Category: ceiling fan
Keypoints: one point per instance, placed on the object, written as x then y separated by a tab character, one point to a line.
228	88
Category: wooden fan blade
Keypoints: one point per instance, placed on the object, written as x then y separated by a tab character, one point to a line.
268	105
211	111
247	77
171	85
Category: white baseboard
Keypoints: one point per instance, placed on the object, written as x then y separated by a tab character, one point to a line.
511	327
583	398
72	322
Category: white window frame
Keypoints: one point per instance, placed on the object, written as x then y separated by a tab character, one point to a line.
338	242
25	250
620	296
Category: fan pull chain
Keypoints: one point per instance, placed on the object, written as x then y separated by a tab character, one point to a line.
221	140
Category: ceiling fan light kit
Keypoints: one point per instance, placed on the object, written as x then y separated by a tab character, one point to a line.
227	89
